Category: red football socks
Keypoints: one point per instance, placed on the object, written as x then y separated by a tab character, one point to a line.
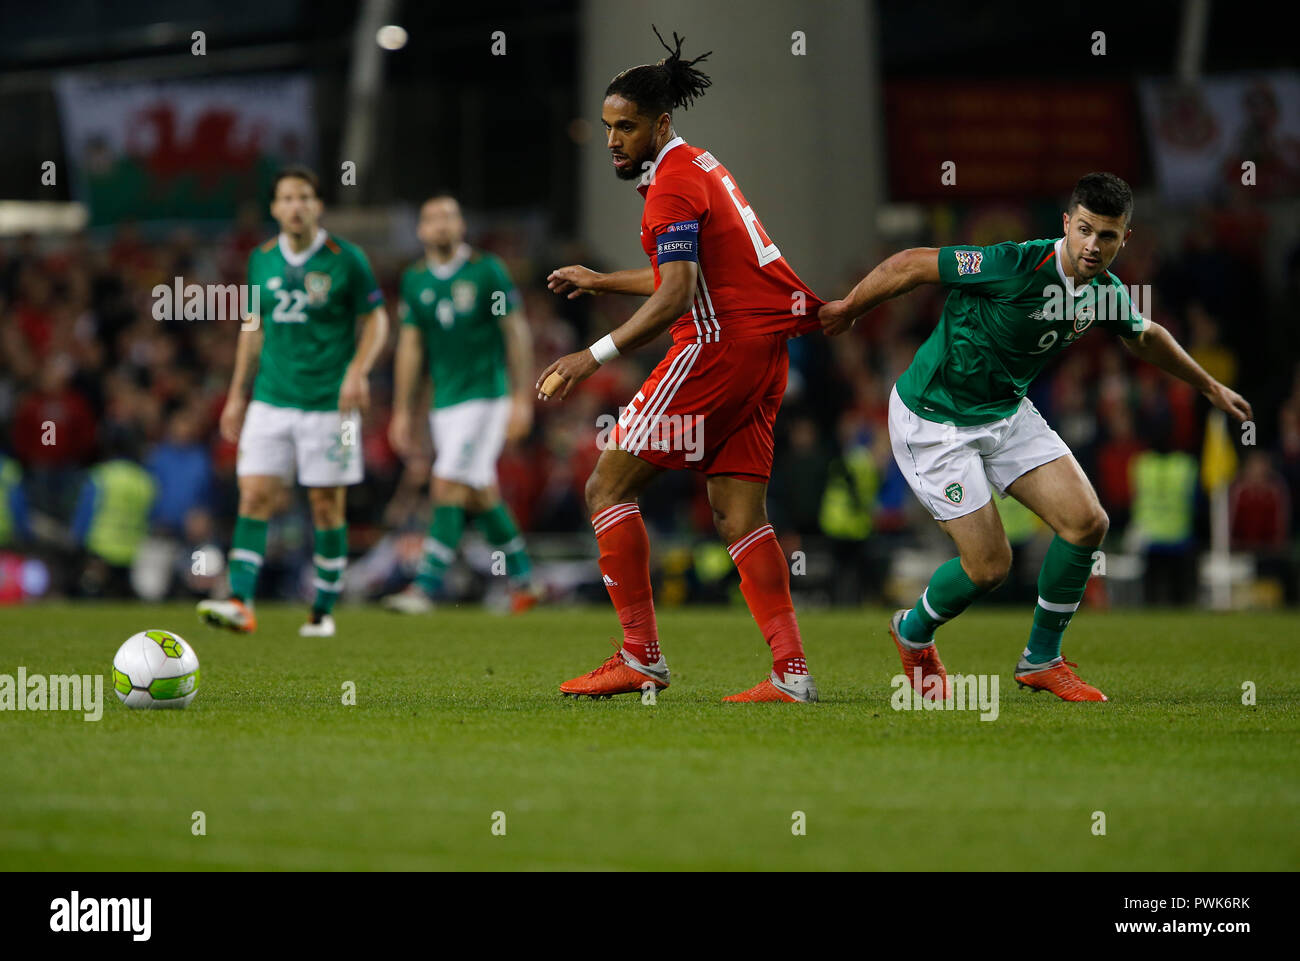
765	582
625	564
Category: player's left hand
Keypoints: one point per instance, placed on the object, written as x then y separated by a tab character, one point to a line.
574	368
521	419
1229	401
574	280
354	393
834	318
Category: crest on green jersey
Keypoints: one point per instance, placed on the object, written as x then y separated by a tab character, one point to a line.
463	293
953	492
1082	318
318	287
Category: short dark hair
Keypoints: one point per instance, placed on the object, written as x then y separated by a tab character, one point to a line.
1103	193
297	172
658	88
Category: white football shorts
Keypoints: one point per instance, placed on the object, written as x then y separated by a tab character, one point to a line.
467	440
323	446
950	468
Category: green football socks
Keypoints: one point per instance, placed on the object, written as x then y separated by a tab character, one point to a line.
949	593
247	550
1061	583
440	546
330	559
498	527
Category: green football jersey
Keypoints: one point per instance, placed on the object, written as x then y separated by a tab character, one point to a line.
1011	310
309	304
458	307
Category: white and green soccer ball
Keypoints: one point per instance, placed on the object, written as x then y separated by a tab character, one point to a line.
156	669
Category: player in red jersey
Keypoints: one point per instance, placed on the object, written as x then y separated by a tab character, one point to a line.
720	285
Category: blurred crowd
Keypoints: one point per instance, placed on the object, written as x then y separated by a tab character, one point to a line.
108	438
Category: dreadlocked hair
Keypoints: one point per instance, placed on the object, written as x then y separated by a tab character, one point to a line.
659	88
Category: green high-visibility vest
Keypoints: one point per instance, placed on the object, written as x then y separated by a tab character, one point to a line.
124	494
1164	492
11	476
849	496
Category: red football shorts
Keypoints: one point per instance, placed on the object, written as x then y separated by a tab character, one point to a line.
709	407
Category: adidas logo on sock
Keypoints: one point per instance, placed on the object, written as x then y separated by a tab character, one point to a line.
609	581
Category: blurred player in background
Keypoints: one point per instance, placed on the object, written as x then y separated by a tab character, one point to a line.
959	420
719	283
310	390
460	310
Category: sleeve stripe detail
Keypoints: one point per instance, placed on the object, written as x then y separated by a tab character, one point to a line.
1045	259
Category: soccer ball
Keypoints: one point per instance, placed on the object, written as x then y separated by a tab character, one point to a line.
156	669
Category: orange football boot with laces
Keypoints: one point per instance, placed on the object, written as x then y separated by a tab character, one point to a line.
1056	676
620	674
926	660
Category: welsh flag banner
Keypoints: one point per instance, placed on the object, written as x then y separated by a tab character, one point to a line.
181	150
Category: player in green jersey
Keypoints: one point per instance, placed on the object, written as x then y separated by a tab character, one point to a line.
461	313
310	391
959	420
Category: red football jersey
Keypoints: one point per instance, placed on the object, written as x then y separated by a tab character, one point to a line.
694	210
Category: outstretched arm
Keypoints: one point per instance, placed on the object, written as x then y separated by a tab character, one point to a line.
902	272
670	301
577	280
1157	346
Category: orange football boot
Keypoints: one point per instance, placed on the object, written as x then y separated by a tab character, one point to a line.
926	660
620	674
795	689
1057	677
524	599
232	614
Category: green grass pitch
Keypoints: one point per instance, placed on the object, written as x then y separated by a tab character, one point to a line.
457	716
